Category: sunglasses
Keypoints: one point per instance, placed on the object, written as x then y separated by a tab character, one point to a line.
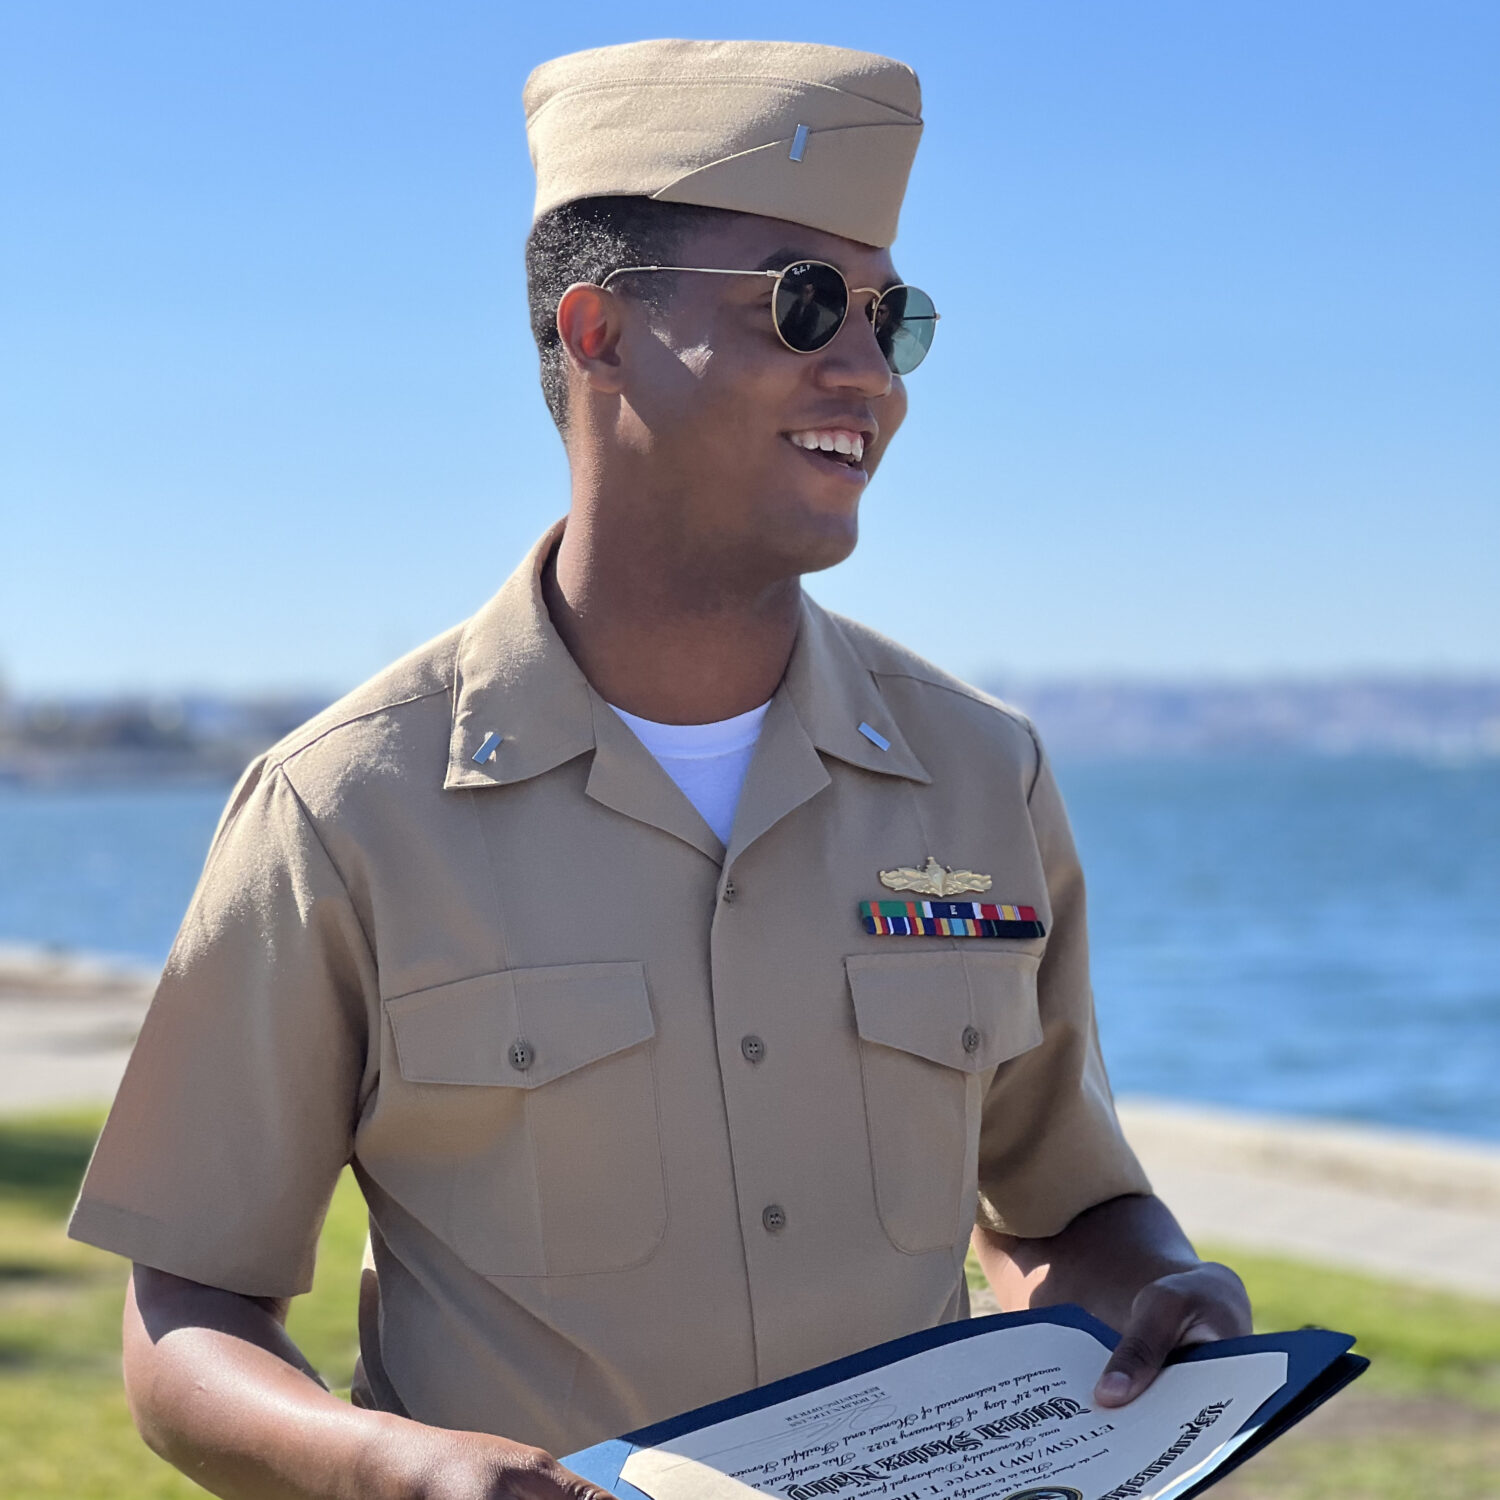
810	301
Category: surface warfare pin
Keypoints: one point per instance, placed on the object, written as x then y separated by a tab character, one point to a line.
982	919
934	879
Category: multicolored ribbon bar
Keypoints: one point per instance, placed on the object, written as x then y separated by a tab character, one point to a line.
981	919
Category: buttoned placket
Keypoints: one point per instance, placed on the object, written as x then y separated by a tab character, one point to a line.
785	773
789	771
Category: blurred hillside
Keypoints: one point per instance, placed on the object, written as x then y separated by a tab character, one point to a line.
210	738
1426	717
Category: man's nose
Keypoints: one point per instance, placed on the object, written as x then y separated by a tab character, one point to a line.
854	360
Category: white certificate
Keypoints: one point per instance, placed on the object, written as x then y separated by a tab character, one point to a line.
1001	1409
1005	1413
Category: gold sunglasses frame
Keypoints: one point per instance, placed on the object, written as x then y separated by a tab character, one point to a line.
850	293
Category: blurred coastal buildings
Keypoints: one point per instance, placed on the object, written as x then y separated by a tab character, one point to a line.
195	737
210	737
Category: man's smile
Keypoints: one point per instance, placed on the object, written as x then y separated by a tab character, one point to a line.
839	441
835	450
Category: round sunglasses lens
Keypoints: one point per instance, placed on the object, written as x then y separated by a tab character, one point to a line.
905	322
811	300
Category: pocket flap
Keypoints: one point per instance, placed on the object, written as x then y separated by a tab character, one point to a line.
520	1028
963	1009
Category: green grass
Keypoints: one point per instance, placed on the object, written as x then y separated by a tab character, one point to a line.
1420	1343
1430	1401
64	1427
1424	1417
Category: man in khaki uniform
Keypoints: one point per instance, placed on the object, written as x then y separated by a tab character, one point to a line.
685	971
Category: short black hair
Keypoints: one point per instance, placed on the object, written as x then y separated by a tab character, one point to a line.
584	241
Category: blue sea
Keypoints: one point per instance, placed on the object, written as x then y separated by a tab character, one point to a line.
1310	936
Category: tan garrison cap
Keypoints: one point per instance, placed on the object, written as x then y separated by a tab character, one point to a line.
821	136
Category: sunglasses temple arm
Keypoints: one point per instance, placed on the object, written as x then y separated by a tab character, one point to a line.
694	270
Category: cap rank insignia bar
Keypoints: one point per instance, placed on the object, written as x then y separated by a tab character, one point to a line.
978	919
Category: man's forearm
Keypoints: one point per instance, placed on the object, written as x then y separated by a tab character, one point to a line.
218	1388
1100	1261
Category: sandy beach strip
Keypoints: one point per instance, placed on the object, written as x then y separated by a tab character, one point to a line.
1414	1208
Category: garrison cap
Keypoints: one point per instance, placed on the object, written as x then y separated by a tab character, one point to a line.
822	136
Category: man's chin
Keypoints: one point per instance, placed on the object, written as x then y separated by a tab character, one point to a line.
822	541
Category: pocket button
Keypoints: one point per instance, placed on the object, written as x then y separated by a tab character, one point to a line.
971	1039
521	1055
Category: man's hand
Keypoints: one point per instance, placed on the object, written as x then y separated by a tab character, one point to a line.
1190	1307
443	1465
1128	1262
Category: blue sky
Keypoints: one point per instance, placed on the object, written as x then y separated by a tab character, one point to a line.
1217	388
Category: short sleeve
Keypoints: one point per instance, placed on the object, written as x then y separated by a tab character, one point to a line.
238	1106
1050	1144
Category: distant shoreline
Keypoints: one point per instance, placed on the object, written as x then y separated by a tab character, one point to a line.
1422	1209
28	971
105	773
31	973
208	738
1419	1208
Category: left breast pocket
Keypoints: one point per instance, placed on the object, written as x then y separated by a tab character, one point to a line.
535	1104
932	1028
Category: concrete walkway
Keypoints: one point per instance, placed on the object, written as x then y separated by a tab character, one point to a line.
1408	1207
66	1028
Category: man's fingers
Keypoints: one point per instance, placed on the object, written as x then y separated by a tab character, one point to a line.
574	1486
519	1472
1193	1307
1158	1320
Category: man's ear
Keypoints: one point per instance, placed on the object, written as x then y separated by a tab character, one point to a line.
589	325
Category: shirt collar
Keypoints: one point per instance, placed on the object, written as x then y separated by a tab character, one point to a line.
522	706
513	678
839	701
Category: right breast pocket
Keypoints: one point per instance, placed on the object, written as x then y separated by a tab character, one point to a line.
533	1096
933	1027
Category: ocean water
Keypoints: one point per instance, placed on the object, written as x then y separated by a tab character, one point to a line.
1306	936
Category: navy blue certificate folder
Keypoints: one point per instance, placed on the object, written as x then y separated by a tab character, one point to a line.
1318	1365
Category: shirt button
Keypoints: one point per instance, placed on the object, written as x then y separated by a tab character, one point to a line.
729	892
971	1039
774	1218
753	1048
521	1056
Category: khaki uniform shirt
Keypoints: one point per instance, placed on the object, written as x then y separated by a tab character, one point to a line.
641	1121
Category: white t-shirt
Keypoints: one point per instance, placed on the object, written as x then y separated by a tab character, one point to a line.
708	761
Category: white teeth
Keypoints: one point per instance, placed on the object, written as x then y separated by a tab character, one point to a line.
851	444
